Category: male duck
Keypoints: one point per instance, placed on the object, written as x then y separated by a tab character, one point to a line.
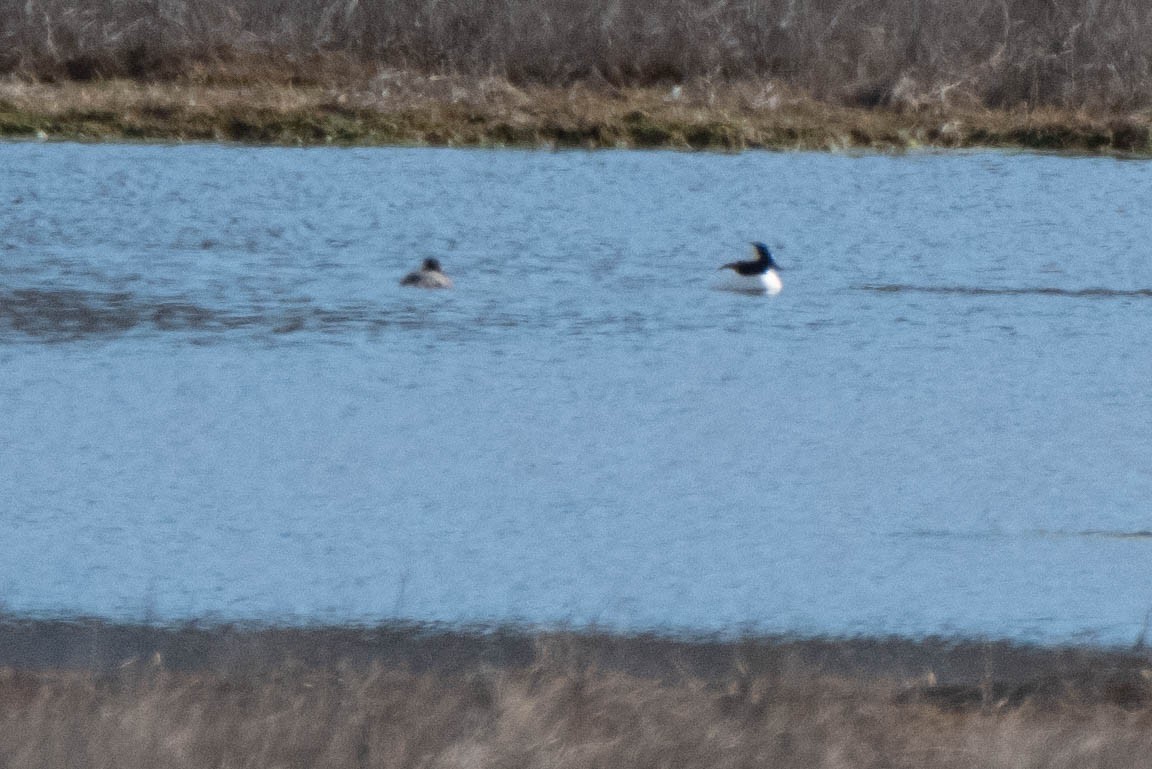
760	274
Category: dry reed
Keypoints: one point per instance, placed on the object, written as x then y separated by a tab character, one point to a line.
404	697
1094	54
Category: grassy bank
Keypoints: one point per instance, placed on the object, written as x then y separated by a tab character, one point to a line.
410	109
91	694
1054	75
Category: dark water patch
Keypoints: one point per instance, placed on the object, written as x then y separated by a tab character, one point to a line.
1076	293
67	313
1103	534
944	534
171	316
56	315
1142	534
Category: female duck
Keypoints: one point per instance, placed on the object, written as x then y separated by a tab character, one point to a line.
428	276
760	274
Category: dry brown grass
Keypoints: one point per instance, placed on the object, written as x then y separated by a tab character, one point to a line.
151	718
404	697
990	53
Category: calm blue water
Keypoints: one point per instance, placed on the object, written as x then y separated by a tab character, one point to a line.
216	401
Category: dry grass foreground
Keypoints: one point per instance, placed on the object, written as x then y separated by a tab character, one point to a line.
410	697
403	108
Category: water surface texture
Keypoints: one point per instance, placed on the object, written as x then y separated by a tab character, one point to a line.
218	402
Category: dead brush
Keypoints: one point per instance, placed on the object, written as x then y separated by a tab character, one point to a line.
404	698
1089	54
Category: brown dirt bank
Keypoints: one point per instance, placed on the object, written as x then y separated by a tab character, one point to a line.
88	693
397	108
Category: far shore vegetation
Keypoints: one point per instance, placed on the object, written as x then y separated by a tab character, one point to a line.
85	693
1067	75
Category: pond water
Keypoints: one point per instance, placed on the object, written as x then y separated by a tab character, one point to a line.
217	402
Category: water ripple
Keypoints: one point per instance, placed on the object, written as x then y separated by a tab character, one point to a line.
980	534
1076	293
61	315
66	314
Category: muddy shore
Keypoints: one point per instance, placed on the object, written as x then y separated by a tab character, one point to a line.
102	647
405	109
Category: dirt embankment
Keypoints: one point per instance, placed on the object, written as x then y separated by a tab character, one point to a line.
406	109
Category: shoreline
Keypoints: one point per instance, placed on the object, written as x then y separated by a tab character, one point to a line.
406	109
88	643
90	693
